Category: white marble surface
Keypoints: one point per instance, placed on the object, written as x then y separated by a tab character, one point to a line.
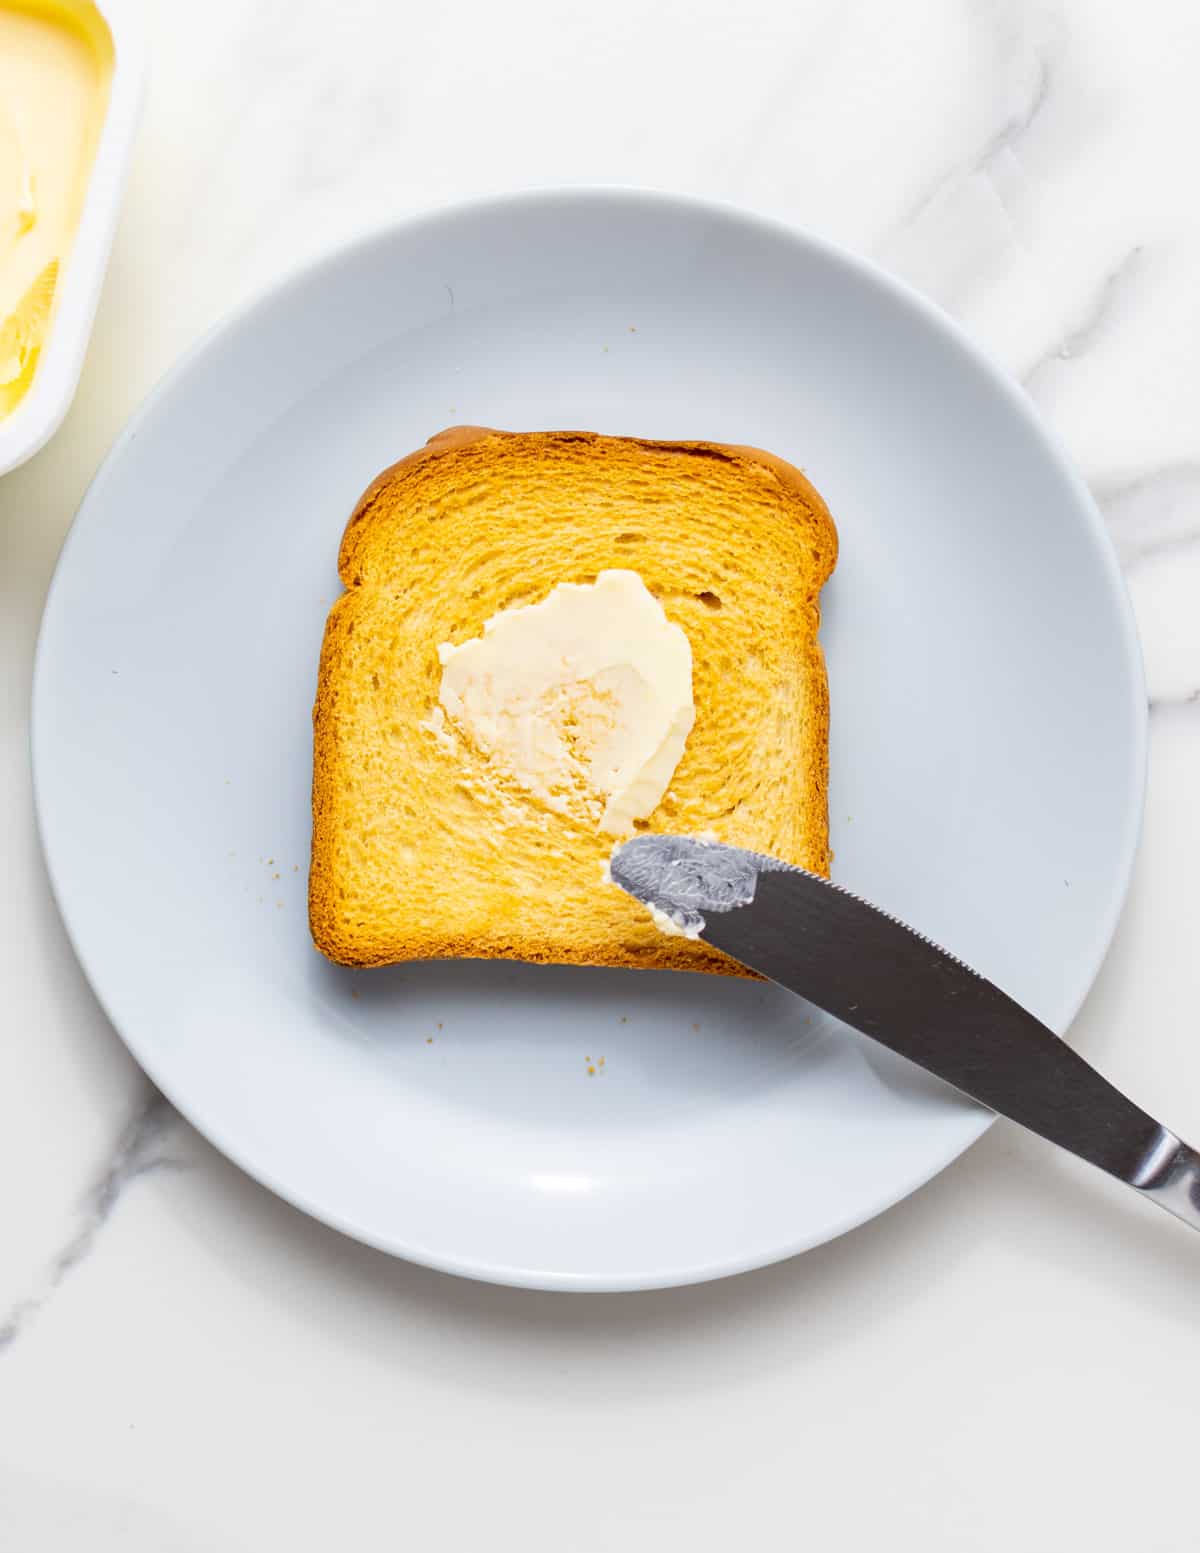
1009	1359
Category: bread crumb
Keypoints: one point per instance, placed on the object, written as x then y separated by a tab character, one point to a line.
633	328
274	876
295	868
602	1062
429	1040
695	1024
355	993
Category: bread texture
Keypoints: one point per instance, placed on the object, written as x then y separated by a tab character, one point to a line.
421	849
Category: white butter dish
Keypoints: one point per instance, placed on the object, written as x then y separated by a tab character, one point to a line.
40	412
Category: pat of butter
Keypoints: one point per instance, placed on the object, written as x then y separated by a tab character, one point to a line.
56	61
671	926
584	698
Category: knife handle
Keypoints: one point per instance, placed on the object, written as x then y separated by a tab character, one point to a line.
1170	1177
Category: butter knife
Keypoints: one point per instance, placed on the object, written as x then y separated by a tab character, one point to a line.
882	977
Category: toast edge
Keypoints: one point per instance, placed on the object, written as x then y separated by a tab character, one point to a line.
343	950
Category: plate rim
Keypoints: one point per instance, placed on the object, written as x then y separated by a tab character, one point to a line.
514	202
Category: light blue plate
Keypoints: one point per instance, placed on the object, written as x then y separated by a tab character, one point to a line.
987	748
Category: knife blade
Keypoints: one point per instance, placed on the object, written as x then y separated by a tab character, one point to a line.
881	976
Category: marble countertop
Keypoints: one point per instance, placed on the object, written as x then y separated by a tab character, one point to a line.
1010	1358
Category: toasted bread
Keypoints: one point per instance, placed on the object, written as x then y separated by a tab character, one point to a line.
421	849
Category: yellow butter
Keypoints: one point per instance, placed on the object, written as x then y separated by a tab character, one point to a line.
584	698
56	63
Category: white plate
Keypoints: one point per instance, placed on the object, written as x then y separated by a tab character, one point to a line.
987	758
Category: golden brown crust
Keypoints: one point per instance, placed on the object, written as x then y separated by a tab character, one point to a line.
453	438
357	939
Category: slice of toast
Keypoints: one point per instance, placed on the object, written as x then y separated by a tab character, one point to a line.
421	848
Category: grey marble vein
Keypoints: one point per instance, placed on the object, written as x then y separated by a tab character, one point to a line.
1091	326
1154	512
1159	704
1004	140
1011	133
137	1151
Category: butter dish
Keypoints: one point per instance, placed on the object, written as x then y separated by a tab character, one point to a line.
71	78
